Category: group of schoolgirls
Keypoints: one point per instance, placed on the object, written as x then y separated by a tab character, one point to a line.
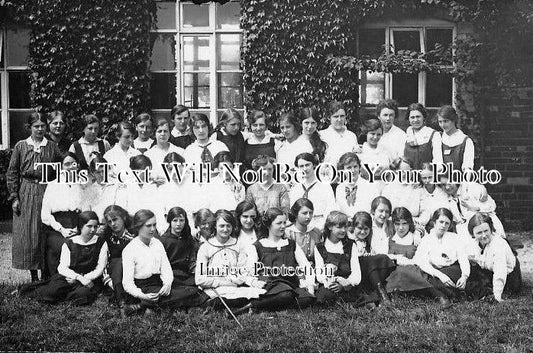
368	256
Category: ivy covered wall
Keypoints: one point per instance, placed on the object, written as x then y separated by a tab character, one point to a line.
89	56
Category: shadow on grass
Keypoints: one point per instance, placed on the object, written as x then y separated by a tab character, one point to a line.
414	325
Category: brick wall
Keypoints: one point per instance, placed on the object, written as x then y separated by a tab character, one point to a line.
508	136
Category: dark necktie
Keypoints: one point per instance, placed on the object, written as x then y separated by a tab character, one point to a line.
206	156
307	189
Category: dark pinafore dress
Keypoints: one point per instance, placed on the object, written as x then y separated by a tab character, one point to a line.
252	151
83	259
278	258
417	155
342	261
454	155
181	141
181	252
409	277
84	164
235	144
116	245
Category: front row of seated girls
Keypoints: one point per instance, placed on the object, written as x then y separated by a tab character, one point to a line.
352	264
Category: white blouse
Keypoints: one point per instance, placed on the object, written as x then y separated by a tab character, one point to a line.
287	151
393	142
456	139
338	144
121	159
321	195
366	192
60	198
141	261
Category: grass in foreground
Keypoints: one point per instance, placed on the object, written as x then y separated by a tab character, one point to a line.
416	325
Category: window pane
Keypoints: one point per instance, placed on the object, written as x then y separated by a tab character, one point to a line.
163	90
440	40
406	40
230	91
195	15
163	52
196	90
228	16
166	15
17	128
18	41
372	87
19	89
196	53
228	51
405	88
438	90
371	42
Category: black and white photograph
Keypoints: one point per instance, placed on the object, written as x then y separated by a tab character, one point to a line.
266	175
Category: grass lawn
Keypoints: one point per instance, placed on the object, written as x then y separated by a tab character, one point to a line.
415	325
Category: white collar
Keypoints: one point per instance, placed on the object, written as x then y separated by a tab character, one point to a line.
37	147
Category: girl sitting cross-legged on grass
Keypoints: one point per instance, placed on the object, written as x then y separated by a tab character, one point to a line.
147	274
83	260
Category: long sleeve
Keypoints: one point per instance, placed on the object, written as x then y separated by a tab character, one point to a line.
355	275
421	259
468	157
436	144
46	210
128	272
302	261
462	258
100	266
167	276
320	267
64	263
13	174
284	202
499	277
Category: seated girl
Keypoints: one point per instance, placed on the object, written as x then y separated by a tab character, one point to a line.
382	228
116	235
204	224
337	266
274	251
306	237
147	274
83	260
375	267
441	255
246	217
408	277
499	269
180	246
221	265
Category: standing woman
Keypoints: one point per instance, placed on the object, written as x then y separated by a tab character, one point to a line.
180	134
26	195
258	143
228	131
293	145
337	137
122	151
202	150
89	143
423	143
147	274
309	120
457	148
57	124
144	126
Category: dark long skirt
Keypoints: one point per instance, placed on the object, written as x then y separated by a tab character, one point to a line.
179	297
355	296
53	243
283	294
479	283
406	279
56	289
114	269
454	273
375	269
27	244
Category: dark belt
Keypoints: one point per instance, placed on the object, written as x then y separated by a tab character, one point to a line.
67	219
154	280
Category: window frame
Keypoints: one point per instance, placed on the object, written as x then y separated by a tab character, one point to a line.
421	25
211	32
